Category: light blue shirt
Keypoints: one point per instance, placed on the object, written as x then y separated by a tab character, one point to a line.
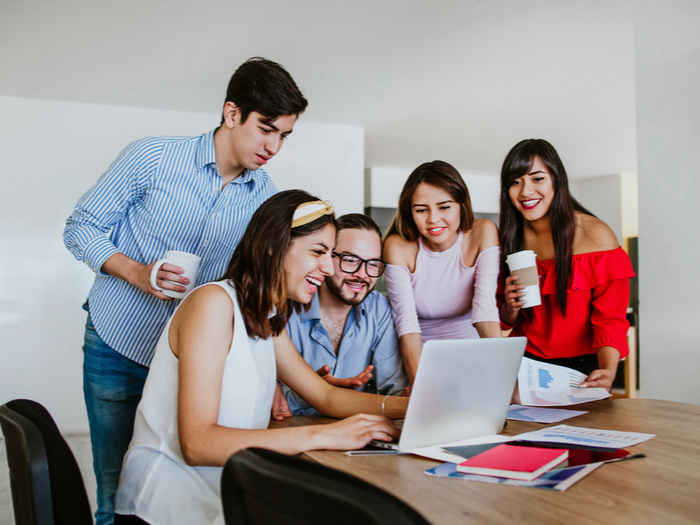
160	194
368	338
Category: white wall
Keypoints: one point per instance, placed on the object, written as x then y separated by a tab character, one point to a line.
602	196
383	186
54	151
668	131
456	80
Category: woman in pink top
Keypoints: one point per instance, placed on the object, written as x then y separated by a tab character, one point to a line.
442	264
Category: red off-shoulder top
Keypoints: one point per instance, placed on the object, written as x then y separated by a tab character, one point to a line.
597	299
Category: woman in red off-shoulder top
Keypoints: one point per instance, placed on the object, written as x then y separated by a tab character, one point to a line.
584	274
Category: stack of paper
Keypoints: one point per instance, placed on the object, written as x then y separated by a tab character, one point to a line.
558	479
601	446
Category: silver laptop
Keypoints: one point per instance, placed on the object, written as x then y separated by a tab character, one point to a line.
462	389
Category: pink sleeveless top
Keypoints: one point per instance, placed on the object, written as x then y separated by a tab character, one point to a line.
442	298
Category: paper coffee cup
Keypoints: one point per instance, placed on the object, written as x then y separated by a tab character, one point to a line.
189	262
523	265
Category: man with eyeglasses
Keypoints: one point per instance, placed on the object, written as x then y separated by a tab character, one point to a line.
347	332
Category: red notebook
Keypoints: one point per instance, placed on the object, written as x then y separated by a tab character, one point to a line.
510	461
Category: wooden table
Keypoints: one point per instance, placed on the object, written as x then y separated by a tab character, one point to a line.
663	488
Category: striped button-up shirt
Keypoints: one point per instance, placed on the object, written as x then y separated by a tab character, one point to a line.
161	193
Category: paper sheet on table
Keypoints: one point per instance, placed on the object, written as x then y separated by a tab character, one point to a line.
545	385
541	415
592	437
438	452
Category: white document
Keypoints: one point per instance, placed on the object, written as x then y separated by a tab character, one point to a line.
439	453
593	437
541	415
545	385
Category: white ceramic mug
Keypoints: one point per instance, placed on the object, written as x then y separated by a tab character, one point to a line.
189	262
523	264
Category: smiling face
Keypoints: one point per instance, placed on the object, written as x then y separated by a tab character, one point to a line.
256	140
436	216
308	262
352	288
533	192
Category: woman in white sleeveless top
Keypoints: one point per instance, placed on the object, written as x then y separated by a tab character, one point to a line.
211	383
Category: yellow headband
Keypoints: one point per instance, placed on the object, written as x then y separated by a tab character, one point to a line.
308	212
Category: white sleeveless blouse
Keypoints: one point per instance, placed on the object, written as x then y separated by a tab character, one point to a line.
155	483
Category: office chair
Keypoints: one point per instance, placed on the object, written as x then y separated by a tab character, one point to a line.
264	487
47	487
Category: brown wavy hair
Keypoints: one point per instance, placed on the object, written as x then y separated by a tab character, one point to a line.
442	175
517	163
256	270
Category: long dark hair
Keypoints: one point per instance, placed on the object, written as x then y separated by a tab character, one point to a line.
442	175
256	270
517	163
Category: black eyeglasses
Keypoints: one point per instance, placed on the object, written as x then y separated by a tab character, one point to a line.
350	263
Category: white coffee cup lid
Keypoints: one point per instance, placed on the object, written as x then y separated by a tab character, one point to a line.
521	259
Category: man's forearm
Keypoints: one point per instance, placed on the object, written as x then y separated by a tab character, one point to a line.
127	269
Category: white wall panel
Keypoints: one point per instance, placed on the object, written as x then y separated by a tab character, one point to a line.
384	184
51	153
668	131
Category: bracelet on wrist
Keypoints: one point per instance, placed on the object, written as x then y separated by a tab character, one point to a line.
383	403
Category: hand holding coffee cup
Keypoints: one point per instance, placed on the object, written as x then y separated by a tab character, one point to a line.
522	287
175	274
511	293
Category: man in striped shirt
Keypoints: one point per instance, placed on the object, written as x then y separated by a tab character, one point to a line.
193	194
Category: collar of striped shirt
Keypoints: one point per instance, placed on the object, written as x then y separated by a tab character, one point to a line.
206	155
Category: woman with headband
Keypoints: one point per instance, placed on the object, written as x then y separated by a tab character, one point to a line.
210	387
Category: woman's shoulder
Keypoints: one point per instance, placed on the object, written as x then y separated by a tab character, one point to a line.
398	250
208	302
205	313
593	235
217	291
484	233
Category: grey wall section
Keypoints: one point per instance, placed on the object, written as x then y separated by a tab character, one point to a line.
459	81
668	131
602	197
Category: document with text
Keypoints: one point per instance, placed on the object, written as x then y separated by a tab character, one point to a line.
545	385
592	437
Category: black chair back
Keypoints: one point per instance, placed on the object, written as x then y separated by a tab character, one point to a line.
263	487
47	487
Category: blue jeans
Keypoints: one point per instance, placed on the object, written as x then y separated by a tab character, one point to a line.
112	385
